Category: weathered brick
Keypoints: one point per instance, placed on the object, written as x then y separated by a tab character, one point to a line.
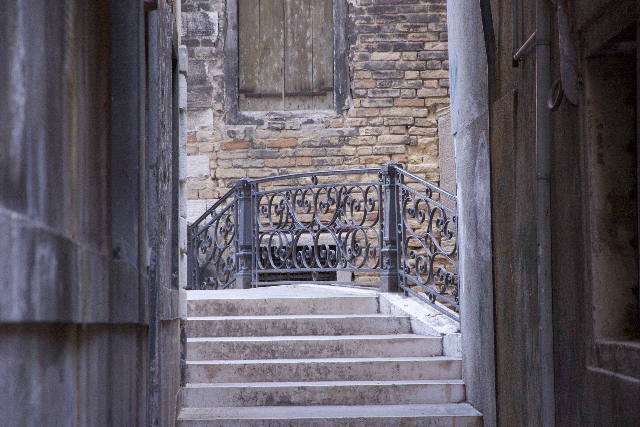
396	121
280	163
378	28
383	93
261	173
388	74
367	112
360	93
283	142
234	145
374	160
230	173
438	27
406	46
424	17
411	65
422	168
407	93
363	140
423	37
433	54
326	161
434	74
364	84
392	115
192	149
379	65
393	139
411	102
342	151
303	161
413	28
377	102
420	131
358	75
379	130
365	151
384	37
436	46
407	84
351	122
206	147
310	152
386	56
389	149
400	158
396	112
264	154
382	47
401	8
409	56
430	93
391	18
233	154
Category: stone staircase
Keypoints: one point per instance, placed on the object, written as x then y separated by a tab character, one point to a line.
314	356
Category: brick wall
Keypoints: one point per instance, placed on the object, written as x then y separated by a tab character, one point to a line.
399	77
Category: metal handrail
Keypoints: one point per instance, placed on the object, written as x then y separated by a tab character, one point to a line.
398	232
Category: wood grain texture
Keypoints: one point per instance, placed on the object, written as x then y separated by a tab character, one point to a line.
298	62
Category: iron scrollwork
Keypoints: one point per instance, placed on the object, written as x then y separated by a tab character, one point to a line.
299	233
428	227
213	245
318	228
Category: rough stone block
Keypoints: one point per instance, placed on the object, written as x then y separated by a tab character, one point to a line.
199	119
198	167
198	24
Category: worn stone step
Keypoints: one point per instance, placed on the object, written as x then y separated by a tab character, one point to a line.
290	325
330	369
301	347
233	303
425	415
323	393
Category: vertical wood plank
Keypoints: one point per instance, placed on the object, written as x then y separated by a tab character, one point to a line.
298	54
271	71
248	50
322	36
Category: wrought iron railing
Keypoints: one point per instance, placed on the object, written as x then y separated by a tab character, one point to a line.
376	226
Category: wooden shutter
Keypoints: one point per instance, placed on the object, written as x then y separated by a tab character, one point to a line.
285	54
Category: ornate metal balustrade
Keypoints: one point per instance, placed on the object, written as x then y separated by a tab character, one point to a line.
379	227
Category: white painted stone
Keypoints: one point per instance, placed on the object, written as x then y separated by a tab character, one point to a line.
183	60
296	355
199	120
182	97
198	168
442	415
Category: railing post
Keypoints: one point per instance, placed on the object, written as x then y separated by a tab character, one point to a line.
191	262
389	252
244	261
